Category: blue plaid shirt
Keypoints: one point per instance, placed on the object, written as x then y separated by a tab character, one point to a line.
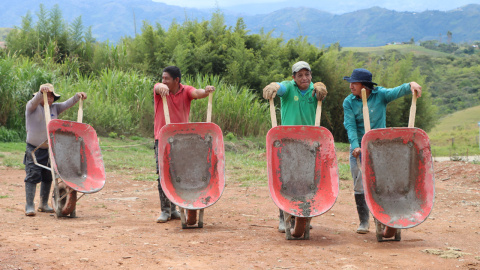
377	107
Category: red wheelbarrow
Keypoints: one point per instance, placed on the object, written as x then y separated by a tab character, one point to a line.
192	165
75	159
302	172
397	176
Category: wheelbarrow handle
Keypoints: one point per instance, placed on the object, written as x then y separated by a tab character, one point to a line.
45	143
46	109
165	110
80	111
273	115
318	114
209	108
413	111
366	115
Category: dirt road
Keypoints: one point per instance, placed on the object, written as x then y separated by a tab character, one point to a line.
116	229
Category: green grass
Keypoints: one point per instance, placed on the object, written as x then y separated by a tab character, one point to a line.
131	156
403	49
11	154
245	158
462	127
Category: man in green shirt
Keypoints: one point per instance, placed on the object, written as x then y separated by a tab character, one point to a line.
298	99
377	99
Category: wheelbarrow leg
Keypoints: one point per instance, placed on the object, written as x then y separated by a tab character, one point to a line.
287	219
379	227
306	235
183	218
200	219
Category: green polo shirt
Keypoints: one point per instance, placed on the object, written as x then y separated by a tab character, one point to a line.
297	107
377	107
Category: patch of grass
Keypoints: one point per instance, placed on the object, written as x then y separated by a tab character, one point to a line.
249	168
11	154
344	171
12	147
127	154
4	196
342	147
403	49
146	177
457	134
100	206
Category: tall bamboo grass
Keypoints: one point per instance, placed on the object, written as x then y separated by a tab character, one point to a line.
235	109
119	101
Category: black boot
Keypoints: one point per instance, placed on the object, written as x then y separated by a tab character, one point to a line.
363	213
44	195
30	189
281	223
165	205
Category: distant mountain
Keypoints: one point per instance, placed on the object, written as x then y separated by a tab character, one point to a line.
112	19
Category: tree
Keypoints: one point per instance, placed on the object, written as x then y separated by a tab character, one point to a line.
449	36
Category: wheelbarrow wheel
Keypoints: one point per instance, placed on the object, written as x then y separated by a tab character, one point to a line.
64	205
299	228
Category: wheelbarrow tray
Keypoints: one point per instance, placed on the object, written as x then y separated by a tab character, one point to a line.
191	161
398	176
302	169
77	158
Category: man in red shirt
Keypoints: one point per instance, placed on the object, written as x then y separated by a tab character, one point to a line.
178	97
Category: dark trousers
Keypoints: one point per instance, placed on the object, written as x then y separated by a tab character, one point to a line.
34	173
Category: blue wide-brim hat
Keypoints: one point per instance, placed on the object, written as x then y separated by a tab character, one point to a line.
360	75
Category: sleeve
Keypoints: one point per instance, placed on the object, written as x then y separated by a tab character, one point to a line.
62	106
393	93
34	102
282	90
350	124
154	94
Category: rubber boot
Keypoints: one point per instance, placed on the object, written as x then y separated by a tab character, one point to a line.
174	213
281	223
165	206
44	195
363	213
30	189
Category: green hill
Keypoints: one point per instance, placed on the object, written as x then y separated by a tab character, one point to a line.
402	48
4	33
462	127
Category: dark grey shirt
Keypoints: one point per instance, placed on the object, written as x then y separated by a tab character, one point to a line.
35	117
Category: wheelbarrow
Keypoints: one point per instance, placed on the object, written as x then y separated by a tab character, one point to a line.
192	165
397	175
302	172
76	162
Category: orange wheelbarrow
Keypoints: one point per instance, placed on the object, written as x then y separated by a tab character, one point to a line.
76	161
302	172
192	165
397	176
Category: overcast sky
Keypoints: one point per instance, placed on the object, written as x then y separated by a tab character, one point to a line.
333	6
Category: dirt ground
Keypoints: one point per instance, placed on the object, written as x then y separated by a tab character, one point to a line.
116	229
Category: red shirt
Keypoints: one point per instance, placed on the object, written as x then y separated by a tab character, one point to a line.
178	107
